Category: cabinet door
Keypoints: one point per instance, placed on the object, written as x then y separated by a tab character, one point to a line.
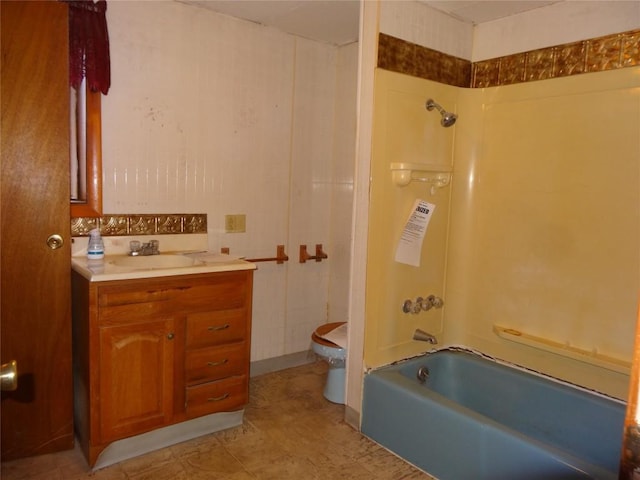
136	377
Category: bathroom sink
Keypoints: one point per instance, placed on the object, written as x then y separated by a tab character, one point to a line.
155	261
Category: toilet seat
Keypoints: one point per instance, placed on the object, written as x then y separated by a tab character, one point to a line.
323	330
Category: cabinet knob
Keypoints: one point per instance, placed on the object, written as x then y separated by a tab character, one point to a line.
171	336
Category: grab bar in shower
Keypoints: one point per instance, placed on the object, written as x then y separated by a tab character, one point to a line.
592	357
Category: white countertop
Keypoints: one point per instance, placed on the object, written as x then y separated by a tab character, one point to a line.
107	269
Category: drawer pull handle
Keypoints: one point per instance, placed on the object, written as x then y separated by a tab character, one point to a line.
218	399
218	327
215	364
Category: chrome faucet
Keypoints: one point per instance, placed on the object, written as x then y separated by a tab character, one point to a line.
423	336
143	249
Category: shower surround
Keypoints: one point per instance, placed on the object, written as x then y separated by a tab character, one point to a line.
537	233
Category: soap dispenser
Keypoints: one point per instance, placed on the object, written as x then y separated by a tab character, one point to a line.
95	250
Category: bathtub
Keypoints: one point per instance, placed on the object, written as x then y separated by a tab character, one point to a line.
474	418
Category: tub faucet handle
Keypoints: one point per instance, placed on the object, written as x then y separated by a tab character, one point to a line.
418	305
435	302
407	306
425	303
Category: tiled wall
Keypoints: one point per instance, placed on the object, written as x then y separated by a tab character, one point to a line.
212	114
594	55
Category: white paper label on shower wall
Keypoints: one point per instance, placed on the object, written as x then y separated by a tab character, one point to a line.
410	244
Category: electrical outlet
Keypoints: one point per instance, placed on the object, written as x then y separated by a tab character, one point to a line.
235	223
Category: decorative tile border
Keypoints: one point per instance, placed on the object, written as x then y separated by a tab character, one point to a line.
401	56
594	55
156	224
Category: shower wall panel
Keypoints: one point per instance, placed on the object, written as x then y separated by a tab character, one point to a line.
546	222
405	132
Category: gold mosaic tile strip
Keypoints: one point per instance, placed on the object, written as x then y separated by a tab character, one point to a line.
169	224
157	224
594	55
141	224
195	224
539	65
569	59
485	73
82	226
630	55
405	57
113	225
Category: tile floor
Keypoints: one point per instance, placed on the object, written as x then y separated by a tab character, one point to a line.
290	432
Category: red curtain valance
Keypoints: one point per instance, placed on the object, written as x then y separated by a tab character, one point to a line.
89	45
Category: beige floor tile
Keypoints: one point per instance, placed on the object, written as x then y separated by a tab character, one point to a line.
203	444
173	470
285	467
216	463
350	471
384	465
149	463
290	431
29	467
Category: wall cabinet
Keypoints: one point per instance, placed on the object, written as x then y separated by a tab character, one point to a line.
153	352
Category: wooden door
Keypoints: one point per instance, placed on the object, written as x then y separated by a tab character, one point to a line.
136	378
35	278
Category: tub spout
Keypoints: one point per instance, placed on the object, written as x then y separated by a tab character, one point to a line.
423	336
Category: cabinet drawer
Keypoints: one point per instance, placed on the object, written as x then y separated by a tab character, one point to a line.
207	364
207	329
178	295
223	290
221	396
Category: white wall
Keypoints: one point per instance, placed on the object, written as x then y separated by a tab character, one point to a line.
418	23
343	180
211	114
555	24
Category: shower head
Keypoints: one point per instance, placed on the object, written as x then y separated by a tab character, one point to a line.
448	118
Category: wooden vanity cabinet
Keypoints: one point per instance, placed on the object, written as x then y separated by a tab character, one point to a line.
153	352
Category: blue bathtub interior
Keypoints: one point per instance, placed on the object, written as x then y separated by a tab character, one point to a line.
476	418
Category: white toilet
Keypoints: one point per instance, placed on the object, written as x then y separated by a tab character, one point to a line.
336	357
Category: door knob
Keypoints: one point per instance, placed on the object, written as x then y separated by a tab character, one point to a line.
55	241
9	376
